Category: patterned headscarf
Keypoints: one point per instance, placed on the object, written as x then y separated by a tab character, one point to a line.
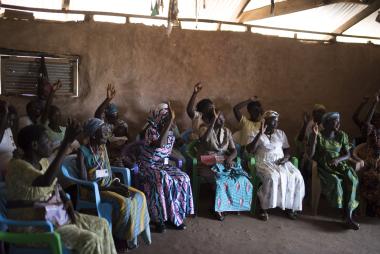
158	114
111	109
92	125
271	113
329	116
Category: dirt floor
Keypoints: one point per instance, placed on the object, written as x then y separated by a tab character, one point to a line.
245	234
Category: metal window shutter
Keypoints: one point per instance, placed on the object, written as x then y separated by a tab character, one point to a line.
19	75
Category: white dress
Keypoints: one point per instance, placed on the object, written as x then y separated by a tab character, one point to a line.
7	146
283	185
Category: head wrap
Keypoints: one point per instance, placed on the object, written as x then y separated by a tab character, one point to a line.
271	113
319	107
329	116
158	114
111	109
92	125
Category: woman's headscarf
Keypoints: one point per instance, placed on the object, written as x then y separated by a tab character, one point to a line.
271	113
111	109
158	114
329	116
92	125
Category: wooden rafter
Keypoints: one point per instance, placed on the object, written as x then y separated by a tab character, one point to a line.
286	7
371	8
243	4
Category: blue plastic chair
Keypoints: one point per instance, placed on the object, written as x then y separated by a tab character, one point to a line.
186	135
103	209
49	237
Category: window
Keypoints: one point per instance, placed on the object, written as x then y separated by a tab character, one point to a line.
19	74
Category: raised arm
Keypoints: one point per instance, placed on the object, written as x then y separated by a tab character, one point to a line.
239	106
111	92
373	108
49	102
207	134
355	116
190	105
312	143
81	165
302	132
3	118
252	147
163	136
72	131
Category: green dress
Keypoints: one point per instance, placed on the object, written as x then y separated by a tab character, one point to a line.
88	235
339	183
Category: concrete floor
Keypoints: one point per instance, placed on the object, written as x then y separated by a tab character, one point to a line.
244	234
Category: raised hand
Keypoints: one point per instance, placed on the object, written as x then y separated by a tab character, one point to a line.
57	85
197	87
72	131
263	127
315	129
111	91
171	112
377	96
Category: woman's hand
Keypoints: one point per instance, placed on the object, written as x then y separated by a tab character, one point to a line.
316	129
111	91
57	85
72	131
171	112
334	162
263	127
229	163
197	87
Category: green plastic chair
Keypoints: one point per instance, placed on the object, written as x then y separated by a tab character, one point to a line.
52	239
197	180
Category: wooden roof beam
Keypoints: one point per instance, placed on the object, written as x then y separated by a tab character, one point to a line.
286	7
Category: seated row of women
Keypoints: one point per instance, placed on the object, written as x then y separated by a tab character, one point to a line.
165	195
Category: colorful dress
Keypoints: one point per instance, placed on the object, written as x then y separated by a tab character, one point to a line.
88	235
282	185
370	177
167	188
130	215
339	183
233	187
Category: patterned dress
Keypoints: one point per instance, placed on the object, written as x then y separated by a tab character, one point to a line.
233	187
88	235
339	183
370	176
130	215
282	185
167	188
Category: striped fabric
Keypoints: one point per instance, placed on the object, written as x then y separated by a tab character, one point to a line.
167	188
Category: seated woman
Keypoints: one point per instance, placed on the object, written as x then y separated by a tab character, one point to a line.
130	215
330	149
369	152
167	188
217	152
203	114
282	183
248	127
31	186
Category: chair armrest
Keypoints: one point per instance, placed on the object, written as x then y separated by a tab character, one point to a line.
23	223
294	161
125	172
53	239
